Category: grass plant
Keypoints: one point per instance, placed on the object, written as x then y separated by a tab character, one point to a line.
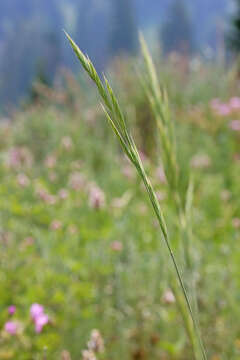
116	118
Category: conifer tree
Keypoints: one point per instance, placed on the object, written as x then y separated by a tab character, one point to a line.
234	34
177	32
124	28
92	30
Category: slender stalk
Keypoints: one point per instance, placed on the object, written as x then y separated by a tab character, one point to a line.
116	119
159	104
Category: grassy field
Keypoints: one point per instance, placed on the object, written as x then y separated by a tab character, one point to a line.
78	235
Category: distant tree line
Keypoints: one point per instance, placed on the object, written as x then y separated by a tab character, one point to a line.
233	36
177	32
32	43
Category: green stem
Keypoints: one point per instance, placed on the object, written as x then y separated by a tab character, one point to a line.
162	224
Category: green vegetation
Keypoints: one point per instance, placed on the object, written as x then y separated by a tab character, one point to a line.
233	36
78	235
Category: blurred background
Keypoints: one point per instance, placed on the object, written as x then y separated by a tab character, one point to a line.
32	43
82	264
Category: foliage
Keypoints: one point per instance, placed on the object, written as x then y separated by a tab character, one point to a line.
233	36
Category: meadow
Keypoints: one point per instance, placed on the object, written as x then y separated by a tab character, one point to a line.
80	245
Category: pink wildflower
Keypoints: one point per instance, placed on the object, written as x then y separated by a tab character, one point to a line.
143	156
23	180
11	309
88	355
223	110
168	297
236	223
63	194
235	125
76	181
96	343
161	175
19	157
46	197
56	225
128	171
200	161
116	246
28	241
160	195
11	327
40	321
36	310
234	103
96	197
50	161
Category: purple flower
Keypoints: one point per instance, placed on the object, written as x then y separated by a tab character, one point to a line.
36	310
40	322
11	309
11	327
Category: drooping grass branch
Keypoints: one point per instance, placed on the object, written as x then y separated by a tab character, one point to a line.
116	119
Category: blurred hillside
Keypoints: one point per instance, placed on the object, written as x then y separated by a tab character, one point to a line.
32	43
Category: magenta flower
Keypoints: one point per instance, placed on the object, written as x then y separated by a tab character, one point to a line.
11	309
40	322
36	310
11	327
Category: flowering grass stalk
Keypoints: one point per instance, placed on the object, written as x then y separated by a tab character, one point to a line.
116	119
158	100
